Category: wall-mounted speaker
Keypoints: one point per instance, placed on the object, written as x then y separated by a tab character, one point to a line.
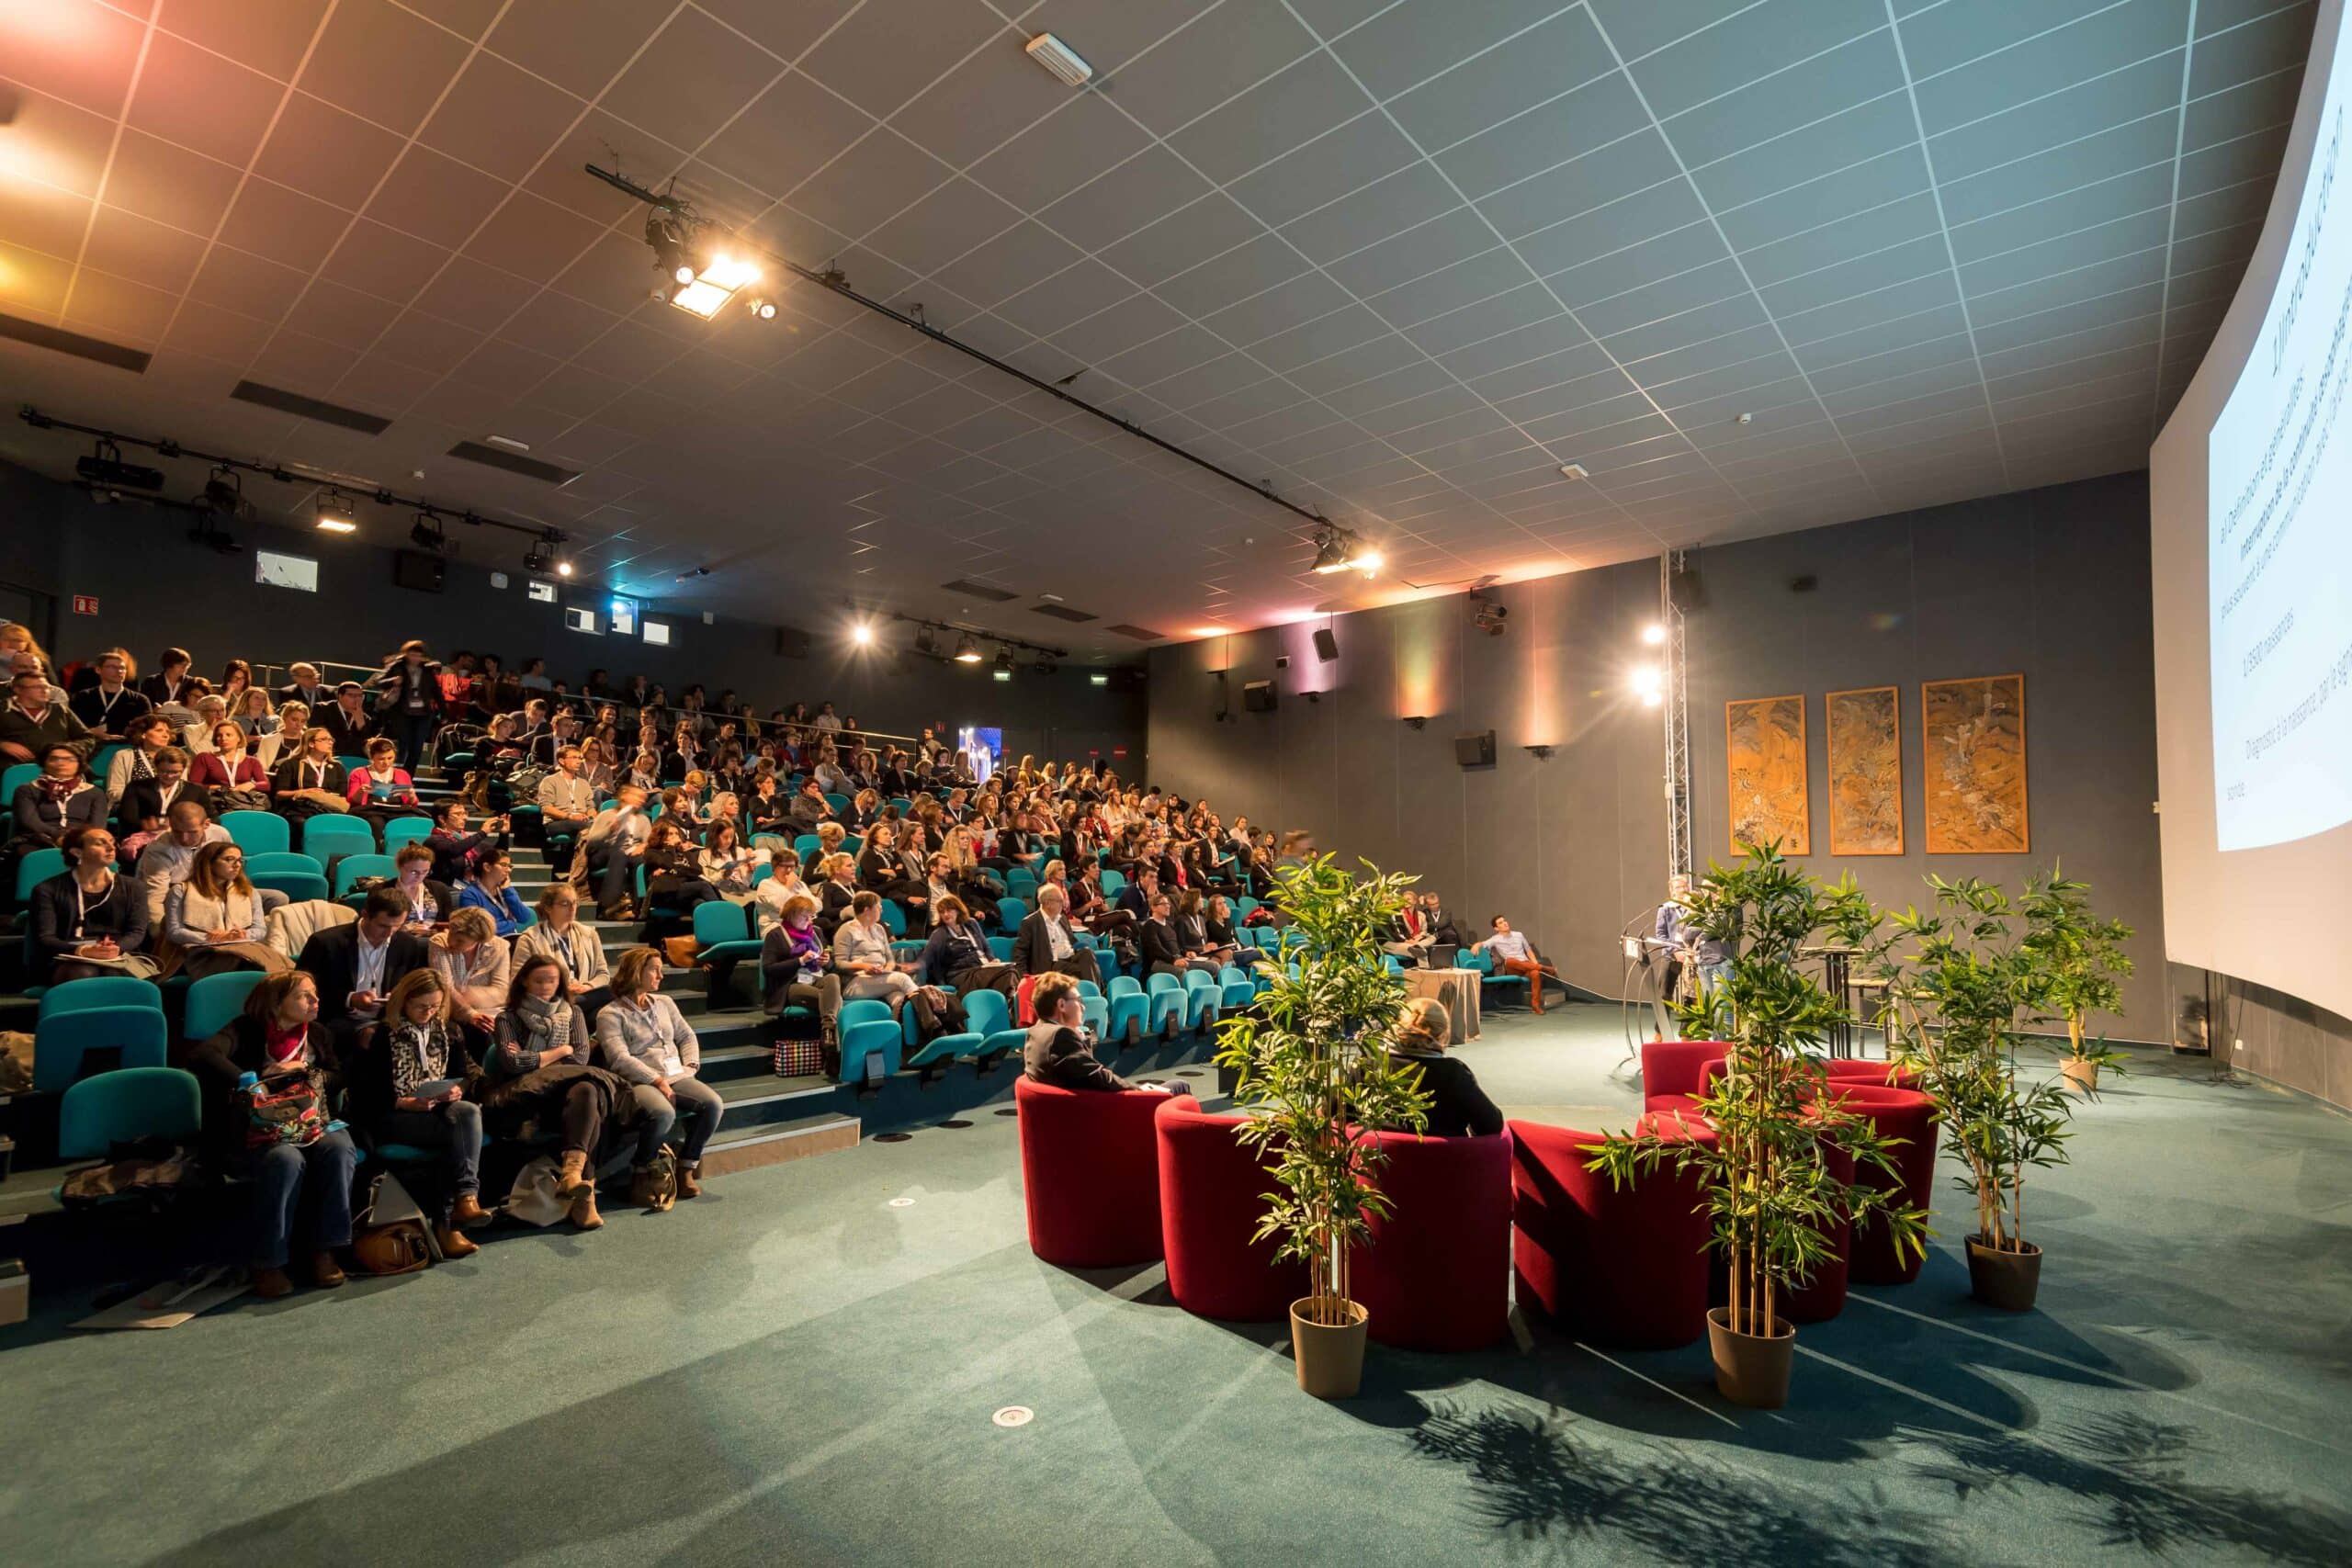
415	569
791	643
1683	588
1127	677
1258	696
1326	647
1474	751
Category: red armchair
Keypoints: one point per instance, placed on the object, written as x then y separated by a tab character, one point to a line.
1880	1075
1089	1174
1623	1267
1825	1297
1896	1113
1674	1072
1437	1276
1211	1187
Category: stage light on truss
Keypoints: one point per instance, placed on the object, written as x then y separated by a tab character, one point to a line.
1653	633
966	651
333	515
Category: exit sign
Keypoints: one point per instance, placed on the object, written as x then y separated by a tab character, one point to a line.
85	604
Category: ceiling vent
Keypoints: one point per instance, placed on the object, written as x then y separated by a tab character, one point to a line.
988	591
301	407
1064	612
514	463
41	335
1139	632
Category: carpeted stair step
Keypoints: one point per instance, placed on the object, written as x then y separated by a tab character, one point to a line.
736	1148
763	1100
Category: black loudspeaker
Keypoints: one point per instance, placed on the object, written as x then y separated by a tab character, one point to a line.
1683	588
1127	677
791	643
1258	696
415	569
1326	647
1474	751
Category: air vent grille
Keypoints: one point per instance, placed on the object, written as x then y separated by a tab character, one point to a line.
988	591
1064	612
301	407
1141	634
514	463
41	335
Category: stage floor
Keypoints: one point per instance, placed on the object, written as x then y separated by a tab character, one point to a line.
790	1371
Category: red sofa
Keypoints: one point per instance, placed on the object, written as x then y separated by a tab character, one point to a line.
1623	1267
1437	1275
1211	1198
1896	1113
1882	1075
1089	1174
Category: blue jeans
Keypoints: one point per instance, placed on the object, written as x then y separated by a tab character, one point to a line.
456	1130
698	1106
288	1180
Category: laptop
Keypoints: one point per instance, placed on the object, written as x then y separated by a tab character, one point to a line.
1443	954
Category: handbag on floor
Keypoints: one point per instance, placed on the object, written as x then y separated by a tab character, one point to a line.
800	1058
388	1236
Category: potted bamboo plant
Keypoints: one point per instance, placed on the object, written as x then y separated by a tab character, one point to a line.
1958	1000
2081	966
1767	1182
1309	1070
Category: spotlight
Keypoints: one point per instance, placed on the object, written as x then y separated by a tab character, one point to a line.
1488	615
333	515
1339	549
538	558
1649	684
764	309
1045	667
224	492
862	633
105	466
208	532
1653	633
1004	664
1005	674
1100	678
668	233
966	651
926	643
425	534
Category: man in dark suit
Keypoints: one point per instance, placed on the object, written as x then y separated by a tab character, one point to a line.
357	965
1046	944
347	720
1058	1052
1137	896
306	689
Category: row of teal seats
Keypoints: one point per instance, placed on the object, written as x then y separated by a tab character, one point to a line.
121	1018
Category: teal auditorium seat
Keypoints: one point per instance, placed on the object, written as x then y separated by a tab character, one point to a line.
125	1106
351	868
214	1002
868	1031
296	875
1168	1005
405	830
1202	995
722	930
991	1017
100	991
35	867
1130	1011
325	838
258	832
63	1044
18	773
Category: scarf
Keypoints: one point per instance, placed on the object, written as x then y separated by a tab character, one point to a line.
283	1045
59	791
803	946
544	1024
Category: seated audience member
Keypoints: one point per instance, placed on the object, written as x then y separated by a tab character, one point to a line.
214	922
456	852
197	736
408	1086
166	859
828	844
1058	1050
643	1040
1134	899
171	680
1458	1106
863	959
229	773
295	1187
310	781
1409	936
1517	955
795	967
108	707
596	772
612	848
381	790
358	966
143	740
490	890
673	873
567	801
1162	949
303	685
87	919
809	808
1217	920
254	711
1440	922
726	864
957	957
782	884
540	1072
347	720
35	718
883	869
147	804
60	800
427	903
1047	943
471	959
1192	934
571	944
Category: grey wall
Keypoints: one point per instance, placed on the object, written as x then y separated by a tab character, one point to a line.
2052	583
156	590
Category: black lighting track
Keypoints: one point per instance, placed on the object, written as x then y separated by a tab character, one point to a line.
834	283
294	473
979	634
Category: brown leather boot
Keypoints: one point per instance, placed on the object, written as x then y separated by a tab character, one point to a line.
467	1211
571	1176
326	1272
584	1213
454	1243
687	1186
270	1285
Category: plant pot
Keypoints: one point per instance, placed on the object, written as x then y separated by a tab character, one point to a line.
2004	1279
2083	1075
1751	1370
1331	1357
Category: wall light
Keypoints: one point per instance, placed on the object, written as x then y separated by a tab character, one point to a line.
1418	720
1537	751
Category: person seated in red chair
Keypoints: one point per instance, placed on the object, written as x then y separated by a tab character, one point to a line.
1458	1106
1058	1051
1514	955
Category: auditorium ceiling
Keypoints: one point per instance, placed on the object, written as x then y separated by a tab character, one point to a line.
1753	267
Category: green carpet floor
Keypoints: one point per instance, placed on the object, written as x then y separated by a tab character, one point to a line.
791	1372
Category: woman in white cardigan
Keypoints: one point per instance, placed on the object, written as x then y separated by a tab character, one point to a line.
471	956
573	944
214	922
